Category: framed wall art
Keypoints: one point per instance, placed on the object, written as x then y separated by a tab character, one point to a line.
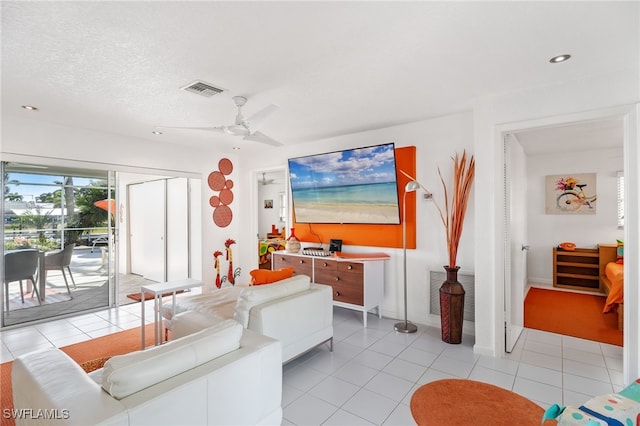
570	194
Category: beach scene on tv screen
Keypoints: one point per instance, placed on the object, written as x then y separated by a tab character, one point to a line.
351	186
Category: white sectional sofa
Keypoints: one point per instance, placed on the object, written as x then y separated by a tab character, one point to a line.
294	311
221	375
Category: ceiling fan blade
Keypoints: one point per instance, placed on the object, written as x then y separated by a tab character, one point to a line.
261	137
255	121
221	129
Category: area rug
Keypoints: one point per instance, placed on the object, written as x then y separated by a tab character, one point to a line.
88	354
461	402
149	296
572	314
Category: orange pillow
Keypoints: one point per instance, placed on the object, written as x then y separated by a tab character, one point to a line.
266	276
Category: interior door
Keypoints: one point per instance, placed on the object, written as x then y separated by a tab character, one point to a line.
515	239
147	229
155	230
136	228
177	229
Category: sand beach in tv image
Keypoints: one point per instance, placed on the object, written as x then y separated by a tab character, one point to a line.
355	185
346	213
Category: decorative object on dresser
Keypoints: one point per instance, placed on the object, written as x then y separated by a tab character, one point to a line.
293	243
357	280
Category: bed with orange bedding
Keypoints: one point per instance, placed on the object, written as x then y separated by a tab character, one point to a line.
612	282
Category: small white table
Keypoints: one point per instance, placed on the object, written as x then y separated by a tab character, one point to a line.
157	290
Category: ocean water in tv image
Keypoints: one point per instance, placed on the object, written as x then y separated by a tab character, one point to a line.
366	194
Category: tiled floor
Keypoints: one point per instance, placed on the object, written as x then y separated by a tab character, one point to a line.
371	374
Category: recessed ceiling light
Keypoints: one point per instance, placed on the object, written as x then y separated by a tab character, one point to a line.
155	132
558	59
29	107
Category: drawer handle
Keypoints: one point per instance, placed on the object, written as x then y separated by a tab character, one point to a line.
337	278
301	261
350	267
325	264
337	293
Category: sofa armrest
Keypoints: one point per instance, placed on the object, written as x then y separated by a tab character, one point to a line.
51	380
300	321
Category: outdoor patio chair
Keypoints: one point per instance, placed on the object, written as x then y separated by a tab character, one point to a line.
20	265
58	261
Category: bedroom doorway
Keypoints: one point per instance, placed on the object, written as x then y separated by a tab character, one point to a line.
545	144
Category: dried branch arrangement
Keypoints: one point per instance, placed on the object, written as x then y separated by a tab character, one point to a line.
455	204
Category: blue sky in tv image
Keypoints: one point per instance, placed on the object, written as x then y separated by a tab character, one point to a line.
357	166
351	186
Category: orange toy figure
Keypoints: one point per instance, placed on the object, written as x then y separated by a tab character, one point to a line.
230	275
217	254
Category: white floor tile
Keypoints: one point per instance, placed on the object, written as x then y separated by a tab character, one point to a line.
540	374
334	391
308	410
405	370
585	385
342	418
371	406
537	391
585	370
541	360
401	416
355	373
487	375
390	386
460	369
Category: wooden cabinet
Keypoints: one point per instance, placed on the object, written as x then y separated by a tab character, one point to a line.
579	269
346	278
356	284
301	265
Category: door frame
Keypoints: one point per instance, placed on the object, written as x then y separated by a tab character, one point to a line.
630	115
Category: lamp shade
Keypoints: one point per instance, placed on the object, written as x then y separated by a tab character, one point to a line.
412	186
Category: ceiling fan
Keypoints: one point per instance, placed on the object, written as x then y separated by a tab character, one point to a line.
243	127
264	181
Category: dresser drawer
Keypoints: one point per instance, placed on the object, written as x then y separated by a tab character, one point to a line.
301	265
348	294
325	275
357	268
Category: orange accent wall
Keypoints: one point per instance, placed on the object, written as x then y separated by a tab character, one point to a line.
371	235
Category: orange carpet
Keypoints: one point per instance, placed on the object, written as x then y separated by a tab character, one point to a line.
112	344
571	314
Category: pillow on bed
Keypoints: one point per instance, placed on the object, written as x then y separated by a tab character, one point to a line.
620	252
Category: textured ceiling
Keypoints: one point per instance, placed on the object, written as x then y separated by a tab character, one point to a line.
333	67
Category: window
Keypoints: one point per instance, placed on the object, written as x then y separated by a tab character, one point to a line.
620	181
282	205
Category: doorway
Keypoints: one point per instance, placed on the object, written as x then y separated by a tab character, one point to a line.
63	219
574	145
272	210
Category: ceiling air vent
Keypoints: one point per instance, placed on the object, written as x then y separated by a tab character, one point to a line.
202	88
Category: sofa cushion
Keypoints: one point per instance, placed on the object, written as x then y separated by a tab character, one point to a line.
266	276
255	295
124	375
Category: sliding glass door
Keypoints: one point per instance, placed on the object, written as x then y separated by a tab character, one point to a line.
64	218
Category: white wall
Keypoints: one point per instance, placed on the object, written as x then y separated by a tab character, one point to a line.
546	231
436	141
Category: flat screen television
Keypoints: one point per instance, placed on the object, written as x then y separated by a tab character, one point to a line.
351	186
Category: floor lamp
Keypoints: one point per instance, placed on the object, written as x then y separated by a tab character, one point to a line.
406	326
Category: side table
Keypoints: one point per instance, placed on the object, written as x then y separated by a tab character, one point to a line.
157	290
